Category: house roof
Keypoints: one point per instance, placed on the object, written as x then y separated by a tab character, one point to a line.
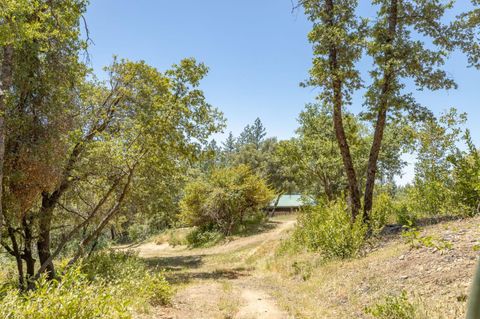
289	201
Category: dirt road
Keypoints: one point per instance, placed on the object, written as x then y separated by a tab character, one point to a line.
217	282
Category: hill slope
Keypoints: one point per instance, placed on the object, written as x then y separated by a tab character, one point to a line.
246	279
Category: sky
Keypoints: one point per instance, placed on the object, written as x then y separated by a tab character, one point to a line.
257	52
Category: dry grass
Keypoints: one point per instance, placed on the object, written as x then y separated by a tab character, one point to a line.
211	281
174	237
229	302
309	288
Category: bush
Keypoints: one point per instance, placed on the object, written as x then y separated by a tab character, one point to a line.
328	229
383	208
137	232
396	307
466	176
203	238
111	285
225	200
174	236
71	297
153	288
130	275
405	216
112	266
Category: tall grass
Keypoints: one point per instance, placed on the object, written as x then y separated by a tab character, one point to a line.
109	285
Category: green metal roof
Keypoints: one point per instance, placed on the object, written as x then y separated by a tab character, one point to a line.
289	201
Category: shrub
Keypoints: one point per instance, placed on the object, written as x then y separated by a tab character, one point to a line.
466	176
131	277
383	208
396	307
405	216
71	297
111	266
137	232
174	236
414	239
203	238
329	230
225	200
156	289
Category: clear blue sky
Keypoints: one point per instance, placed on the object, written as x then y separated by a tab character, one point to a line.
257	52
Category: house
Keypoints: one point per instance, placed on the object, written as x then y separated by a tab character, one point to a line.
288	204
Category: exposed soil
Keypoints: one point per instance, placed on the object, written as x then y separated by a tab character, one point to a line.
209	285
244	279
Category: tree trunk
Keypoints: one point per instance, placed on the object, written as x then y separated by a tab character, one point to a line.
113	233
43	242
372	163
388	76
5	85
328	187
15	251
353	188
272	213
27	252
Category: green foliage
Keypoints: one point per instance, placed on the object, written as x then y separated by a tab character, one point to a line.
434	191
466	177
71	297
203	238
225	200
328	229
253	134
415	239
108	285
383	208
130	275
394	307
137	232
111	266
173	236
405	216
74	139
315	152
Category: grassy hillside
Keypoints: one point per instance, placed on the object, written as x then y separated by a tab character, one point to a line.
248	278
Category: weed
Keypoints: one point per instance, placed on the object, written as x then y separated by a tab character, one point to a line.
414	239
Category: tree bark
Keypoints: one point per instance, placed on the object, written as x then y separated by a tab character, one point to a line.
27	254
5	85
43	242
381	121
337	84
328	187
15	251
113	233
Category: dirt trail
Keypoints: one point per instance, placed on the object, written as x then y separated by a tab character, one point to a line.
259	305
148	250
216	282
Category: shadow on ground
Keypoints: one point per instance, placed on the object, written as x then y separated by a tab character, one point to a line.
422	222
218	274
175	263
255	229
